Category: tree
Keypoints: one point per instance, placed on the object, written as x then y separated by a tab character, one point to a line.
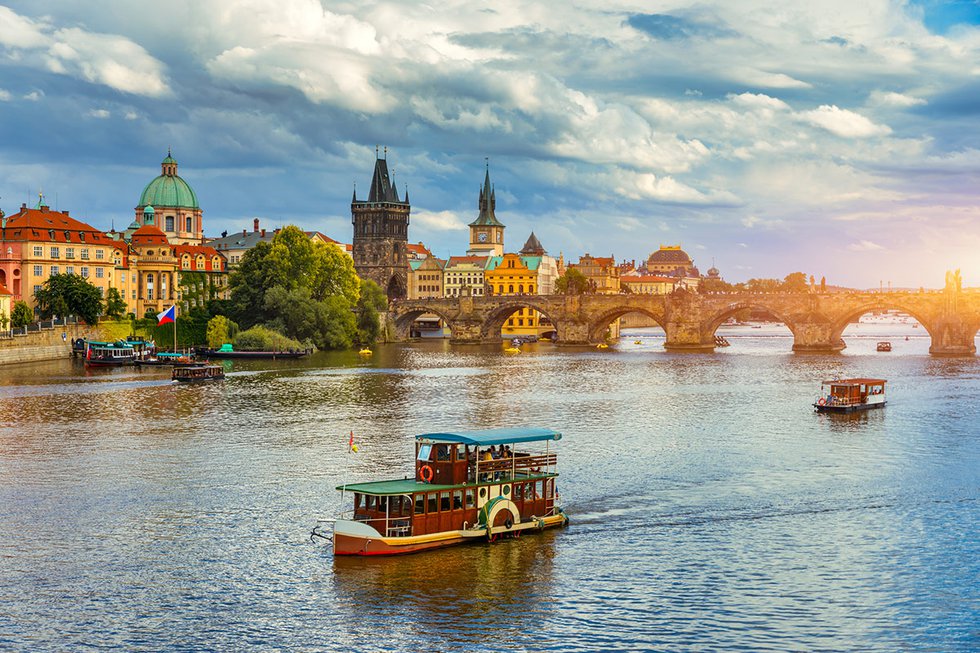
763	285
69	294
115	305
369	306
21	315
795	282
573	282
220	330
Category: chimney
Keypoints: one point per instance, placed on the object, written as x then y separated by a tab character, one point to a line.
255	224
66	213
263	231
244	232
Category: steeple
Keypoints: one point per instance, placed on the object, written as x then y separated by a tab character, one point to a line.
487	204
382	190
533	246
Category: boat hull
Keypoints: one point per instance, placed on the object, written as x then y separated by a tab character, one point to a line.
355	538
848	409
214	353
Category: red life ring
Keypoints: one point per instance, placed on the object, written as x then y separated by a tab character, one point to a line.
425	473
821	401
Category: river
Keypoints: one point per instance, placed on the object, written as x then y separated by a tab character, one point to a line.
711	508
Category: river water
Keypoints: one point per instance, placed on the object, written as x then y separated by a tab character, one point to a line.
711	509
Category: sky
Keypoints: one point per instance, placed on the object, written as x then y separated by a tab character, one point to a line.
837	138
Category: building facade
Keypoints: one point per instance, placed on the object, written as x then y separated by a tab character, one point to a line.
602	273
513	274
426	278
463	275
671	261
380	245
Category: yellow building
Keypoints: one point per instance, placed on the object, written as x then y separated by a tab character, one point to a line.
37	243
649	284
602	273
512	274
5	308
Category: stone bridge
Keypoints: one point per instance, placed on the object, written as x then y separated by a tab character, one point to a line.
817	320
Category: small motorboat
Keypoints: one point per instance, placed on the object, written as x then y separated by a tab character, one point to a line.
637	342
365	352
884	345
602	345
512	350
198	373
850	395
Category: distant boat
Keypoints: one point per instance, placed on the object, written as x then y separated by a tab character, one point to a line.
884	345
850	395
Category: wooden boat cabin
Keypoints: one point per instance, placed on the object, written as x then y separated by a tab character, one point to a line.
849	395
198	373
468	486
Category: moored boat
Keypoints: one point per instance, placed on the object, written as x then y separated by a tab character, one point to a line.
198	373
226	351
884	345
850	395
108	354
468	487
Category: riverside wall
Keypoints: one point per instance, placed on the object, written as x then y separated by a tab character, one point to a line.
46	345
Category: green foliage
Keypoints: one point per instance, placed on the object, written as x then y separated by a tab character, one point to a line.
371	302
21	314
191	332
763	285
303	289
795	282
260	338
220	330
69	294
715	285
573	282
4	321
115	305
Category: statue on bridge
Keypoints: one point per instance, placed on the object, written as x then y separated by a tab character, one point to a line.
954	281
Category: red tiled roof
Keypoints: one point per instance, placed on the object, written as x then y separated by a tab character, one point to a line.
149	235
419	249
4	291
203	250
458	260
46	225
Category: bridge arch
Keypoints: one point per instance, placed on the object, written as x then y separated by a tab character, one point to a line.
722	314
407	313
599	324
884	304
495	317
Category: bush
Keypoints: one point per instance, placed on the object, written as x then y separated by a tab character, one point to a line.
260	338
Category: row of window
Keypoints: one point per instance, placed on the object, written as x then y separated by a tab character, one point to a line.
69	269
55	252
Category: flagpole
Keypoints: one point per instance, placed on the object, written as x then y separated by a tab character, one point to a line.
175	328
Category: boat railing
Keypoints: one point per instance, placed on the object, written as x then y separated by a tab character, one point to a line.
391	526
514	466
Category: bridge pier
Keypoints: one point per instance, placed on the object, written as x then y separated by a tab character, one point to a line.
952	338
468	331
816	338
573	333
687	336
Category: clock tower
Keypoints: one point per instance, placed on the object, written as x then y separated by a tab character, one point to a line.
486	232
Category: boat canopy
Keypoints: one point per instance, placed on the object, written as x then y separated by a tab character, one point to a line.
488	437
398	486
855	382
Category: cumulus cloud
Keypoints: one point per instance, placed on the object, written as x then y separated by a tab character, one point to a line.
442	220
5	95
99	113
844	123
892	99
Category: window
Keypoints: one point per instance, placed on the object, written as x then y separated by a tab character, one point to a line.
457	499
134	293
38	250
81	236
54	270
169	222
84	254
99	273
69	269
419	504
444	504
36	289
425	450
433	502
38	270
84	272
469	498
99	255
55	252
189	225
102	291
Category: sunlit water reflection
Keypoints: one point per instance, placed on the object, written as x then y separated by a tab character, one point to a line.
711	508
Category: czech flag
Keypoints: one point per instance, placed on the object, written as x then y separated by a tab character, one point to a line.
167	316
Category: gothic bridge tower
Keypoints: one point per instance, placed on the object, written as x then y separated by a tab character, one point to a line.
381	233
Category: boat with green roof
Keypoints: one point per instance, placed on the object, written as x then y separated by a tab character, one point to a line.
468	487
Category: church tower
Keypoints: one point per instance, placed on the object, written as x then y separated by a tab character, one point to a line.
486	232
380	247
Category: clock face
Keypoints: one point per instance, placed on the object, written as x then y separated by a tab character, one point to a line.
482	237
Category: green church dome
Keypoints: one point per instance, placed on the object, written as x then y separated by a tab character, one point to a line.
169	189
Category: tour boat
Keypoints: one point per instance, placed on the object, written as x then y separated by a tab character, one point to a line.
467	487
108	354
849	395
884	345
198	373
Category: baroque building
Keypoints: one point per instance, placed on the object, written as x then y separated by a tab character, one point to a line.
380	245
170	204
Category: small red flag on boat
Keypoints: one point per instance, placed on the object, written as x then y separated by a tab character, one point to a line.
351	447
